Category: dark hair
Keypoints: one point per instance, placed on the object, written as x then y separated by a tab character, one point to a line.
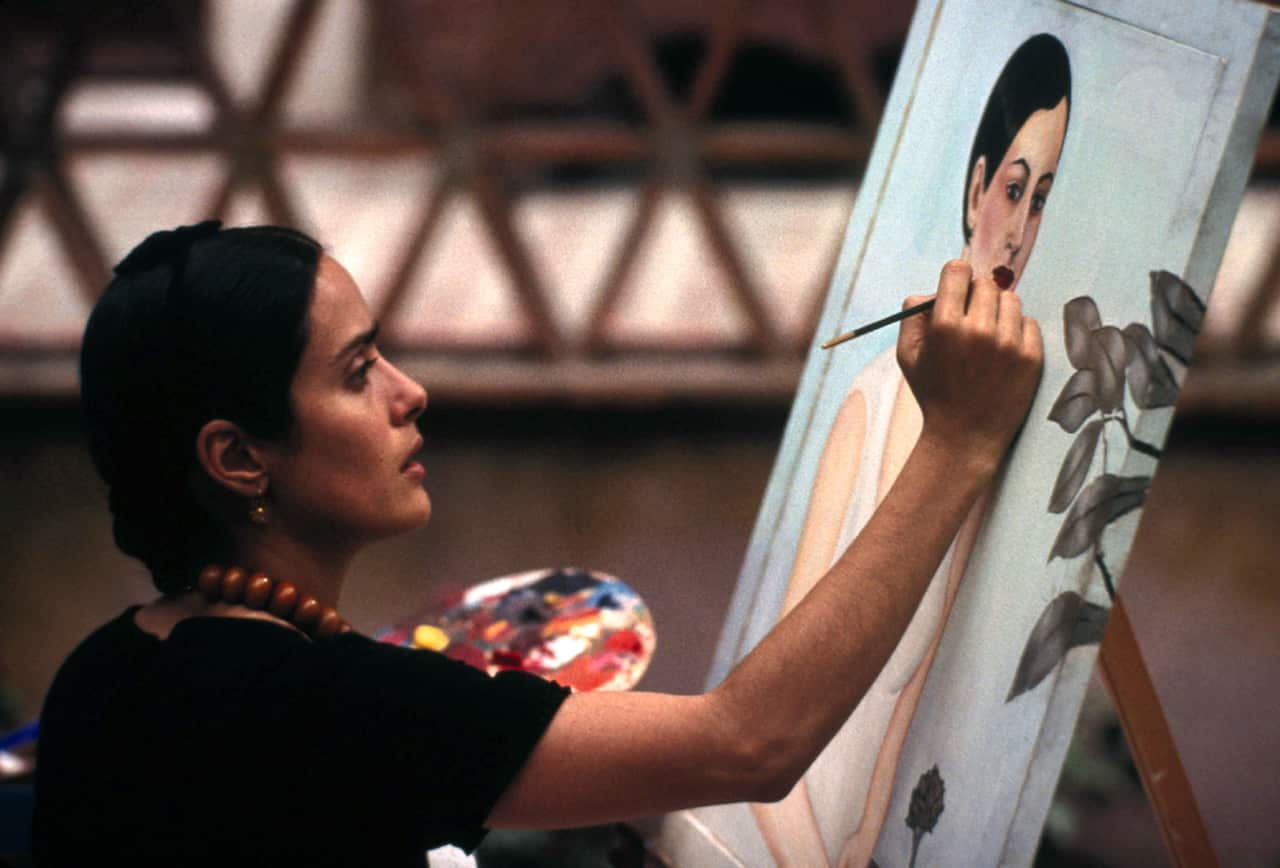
198	323
1037	76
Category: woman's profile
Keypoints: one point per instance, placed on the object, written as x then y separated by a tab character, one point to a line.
839	805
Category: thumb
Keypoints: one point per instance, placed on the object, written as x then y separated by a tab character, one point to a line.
911	332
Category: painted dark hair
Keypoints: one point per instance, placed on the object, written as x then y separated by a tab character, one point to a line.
198	323
1037	76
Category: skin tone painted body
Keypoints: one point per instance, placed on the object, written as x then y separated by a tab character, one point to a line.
346	477
1003	219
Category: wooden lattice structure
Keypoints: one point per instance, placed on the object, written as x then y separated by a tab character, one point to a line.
675	145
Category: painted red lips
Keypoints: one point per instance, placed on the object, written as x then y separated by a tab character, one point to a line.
1003	276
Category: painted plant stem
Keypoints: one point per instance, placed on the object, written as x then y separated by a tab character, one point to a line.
1140	445
1106	574
916	835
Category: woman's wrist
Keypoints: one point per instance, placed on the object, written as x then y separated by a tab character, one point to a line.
960	453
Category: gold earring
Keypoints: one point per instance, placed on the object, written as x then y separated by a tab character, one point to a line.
259	513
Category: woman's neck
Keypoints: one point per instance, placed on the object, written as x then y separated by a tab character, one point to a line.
314	571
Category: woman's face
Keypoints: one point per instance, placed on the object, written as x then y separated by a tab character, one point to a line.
1004	218
347	472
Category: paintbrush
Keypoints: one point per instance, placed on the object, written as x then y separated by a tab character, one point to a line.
880	323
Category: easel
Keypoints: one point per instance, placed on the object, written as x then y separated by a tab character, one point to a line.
1154	752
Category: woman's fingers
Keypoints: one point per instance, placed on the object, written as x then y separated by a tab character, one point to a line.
912	331
983	303
1032	341
1009	319
953	289
973	367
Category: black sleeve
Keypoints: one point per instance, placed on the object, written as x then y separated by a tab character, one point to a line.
410	745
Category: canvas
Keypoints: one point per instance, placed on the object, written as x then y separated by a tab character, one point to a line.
1089	156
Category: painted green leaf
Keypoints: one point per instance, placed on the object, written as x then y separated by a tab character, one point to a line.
1069	621
1107	358
1079	319
1176	314
1103	501
1151	383
1077	401
1075	466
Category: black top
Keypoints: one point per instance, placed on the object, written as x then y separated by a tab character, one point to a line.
241	742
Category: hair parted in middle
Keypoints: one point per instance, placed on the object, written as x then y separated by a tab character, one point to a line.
1037	76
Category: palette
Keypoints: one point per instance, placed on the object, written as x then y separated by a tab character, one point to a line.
581	628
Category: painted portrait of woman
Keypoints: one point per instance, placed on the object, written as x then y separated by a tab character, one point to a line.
836	811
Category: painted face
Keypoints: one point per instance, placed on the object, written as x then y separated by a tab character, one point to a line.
347	473
1004	219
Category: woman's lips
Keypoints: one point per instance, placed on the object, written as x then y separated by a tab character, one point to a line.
411	466
1003	276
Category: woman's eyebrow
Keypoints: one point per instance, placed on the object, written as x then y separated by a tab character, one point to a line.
1026	167
1047	176
363	339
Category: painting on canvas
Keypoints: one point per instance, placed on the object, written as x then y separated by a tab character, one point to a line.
1088	157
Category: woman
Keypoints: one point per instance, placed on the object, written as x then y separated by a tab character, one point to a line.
1010	173
253	440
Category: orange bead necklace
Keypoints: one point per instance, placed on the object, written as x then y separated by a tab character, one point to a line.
259	591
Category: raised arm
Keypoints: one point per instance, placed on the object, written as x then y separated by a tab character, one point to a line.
973	369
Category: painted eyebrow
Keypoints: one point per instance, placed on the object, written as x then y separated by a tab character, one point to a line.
1047	176
363	339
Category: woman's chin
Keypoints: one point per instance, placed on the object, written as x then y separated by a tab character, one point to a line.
419	513
411	515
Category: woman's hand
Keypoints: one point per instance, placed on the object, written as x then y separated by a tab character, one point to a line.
973	364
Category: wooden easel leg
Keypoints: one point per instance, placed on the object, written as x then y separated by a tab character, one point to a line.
1151	744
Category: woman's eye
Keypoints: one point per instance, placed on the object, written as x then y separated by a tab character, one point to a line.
1013	191
361	375
1037	201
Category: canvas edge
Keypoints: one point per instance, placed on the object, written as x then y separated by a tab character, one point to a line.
737	631
687	838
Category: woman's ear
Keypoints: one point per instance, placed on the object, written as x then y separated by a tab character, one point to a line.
974	199
230	458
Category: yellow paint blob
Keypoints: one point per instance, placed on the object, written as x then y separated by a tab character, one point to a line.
430	638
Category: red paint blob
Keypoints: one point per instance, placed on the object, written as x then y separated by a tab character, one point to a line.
506	660
1003	277
625	642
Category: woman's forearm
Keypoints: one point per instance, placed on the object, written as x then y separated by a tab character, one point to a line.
796	688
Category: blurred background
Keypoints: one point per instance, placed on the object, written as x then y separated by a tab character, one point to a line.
600	233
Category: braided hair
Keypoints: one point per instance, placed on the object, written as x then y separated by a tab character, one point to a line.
198	323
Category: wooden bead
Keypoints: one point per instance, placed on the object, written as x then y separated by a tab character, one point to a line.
233	585
210	582
307	613
258	591
327	626
283	600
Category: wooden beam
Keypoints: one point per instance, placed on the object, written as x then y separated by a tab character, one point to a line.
1154	751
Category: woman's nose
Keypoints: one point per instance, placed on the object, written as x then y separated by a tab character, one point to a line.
410	399
1017	230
